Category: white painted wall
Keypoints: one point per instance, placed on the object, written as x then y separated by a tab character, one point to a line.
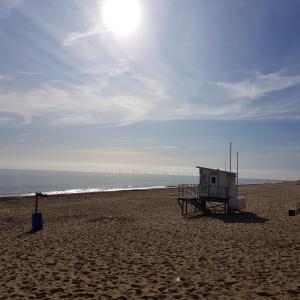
214	183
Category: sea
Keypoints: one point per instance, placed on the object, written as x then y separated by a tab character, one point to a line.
28	182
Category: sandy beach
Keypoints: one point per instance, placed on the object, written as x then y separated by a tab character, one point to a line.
136	245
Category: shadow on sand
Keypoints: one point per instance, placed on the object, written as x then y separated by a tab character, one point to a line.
242	217
29	232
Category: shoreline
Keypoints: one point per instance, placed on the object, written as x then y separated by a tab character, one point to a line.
88	191
88	194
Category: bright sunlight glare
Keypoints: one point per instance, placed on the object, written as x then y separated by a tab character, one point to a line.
121	16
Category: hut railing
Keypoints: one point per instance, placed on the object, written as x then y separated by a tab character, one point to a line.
188	191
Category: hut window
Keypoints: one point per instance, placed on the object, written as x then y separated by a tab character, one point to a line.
213	180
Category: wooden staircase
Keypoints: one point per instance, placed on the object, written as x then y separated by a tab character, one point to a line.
189	200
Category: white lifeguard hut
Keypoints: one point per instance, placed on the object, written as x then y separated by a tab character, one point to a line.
215	183
217	191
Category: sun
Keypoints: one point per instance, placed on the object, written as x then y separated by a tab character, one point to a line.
122	17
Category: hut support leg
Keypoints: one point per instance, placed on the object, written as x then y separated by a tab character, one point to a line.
186	206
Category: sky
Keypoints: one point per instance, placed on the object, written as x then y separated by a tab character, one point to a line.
169	96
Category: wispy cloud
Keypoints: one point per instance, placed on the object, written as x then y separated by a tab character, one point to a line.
84	104
260	85
29	73
76	36
6	78
122	99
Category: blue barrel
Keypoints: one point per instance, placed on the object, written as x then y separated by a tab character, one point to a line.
37	222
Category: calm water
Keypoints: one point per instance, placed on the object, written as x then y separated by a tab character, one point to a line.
20	182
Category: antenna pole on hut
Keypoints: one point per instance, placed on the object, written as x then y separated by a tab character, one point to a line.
237	173
225	158
229	180
230	157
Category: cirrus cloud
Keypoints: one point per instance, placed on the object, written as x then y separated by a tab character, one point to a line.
124	98
260	85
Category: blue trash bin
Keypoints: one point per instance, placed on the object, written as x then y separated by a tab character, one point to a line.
37	222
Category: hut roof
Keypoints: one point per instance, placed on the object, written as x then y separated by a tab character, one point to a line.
216	170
